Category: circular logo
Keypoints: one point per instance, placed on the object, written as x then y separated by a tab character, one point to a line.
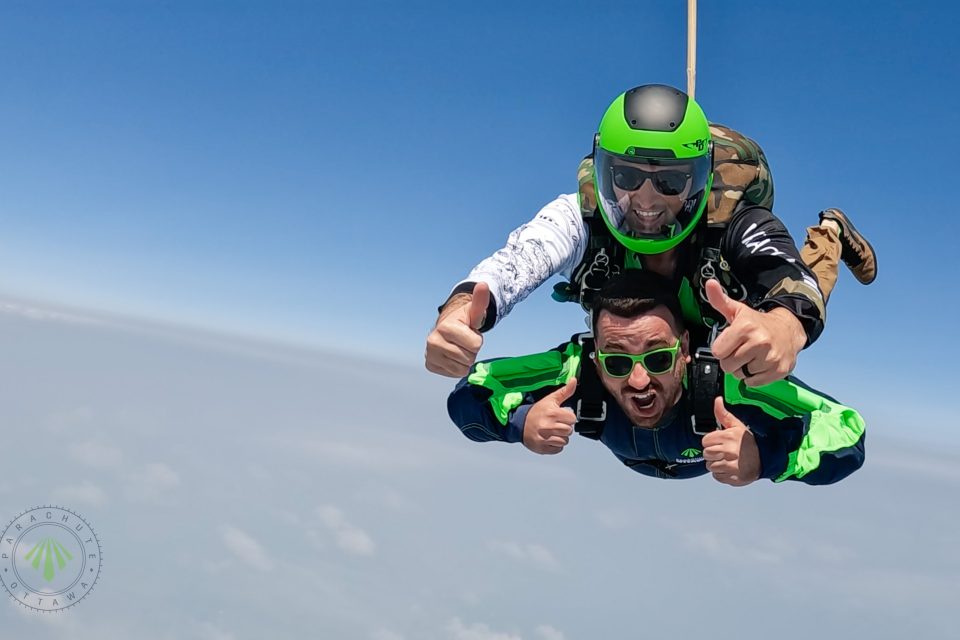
49	558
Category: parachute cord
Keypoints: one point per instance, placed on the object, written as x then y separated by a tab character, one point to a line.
691	47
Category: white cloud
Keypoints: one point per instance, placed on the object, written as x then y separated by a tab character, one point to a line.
210	631
532	553
93	454
349	537
616	519
154	480
246	548
460	631
70	421
918	463
395	501
370	456
547	632
27	310
54	620
86	493
726	548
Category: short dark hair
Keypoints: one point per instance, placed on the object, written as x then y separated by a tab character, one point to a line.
635	292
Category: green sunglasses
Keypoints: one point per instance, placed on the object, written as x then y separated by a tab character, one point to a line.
656	362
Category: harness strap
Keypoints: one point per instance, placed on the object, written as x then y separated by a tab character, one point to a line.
603	259
705	383
591	406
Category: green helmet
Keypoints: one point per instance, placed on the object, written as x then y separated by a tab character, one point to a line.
653	167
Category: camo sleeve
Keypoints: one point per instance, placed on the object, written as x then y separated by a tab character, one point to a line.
552	243
763	257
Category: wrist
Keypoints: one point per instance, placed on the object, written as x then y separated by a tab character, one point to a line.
453	303
794	328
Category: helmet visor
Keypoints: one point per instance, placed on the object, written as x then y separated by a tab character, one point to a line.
650	198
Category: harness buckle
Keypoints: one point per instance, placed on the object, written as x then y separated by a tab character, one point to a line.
706	383
590	414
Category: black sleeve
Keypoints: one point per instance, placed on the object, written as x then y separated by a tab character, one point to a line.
764	258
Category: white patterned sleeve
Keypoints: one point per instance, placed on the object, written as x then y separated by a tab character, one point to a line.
553	243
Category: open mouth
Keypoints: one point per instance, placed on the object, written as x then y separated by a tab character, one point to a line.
644	402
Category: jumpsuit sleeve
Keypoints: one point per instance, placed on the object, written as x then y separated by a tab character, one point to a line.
469	408
492	402
817	448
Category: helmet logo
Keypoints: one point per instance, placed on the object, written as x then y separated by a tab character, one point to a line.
696	144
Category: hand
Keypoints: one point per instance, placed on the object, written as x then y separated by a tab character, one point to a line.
548	426
756	347
731	454
455	341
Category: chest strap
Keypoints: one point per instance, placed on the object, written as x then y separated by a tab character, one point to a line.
591	405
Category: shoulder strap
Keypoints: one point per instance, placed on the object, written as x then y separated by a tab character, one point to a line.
603	258
704	383
591	405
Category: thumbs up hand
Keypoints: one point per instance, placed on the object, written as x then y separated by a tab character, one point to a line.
731	453
455	341
549	425
756	347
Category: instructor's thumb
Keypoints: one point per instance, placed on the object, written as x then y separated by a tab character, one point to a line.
720	301
479	304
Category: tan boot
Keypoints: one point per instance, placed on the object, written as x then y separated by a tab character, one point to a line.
856	252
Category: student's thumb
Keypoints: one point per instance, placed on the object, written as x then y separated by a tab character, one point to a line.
565	392
720	301
479	304
721	413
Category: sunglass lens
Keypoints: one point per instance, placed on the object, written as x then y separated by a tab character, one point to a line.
618	366
670	183
627	178
658	362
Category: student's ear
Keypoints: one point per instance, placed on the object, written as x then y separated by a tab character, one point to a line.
685	346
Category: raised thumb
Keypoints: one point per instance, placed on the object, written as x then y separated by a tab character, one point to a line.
565	392
720	413
720	301
479	304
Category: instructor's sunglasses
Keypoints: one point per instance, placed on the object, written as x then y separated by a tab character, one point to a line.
656	362
669	182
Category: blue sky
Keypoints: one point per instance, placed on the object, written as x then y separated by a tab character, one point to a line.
321	173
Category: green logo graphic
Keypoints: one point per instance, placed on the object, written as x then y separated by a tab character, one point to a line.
44	551
690	453
49	558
